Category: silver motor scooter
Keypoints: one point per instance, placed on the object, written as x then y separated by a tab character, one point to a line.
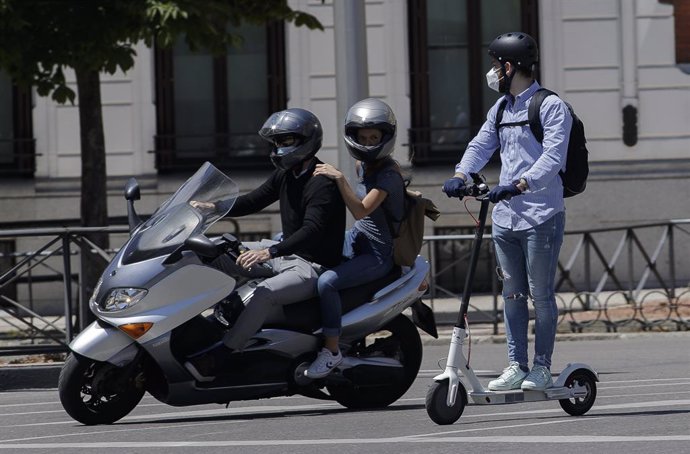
155	311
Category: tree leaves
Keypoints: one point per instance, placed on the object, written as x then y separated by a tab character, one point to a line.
40	37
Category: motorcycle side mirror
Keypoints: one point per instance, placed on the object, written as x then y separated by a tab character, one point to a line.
202	246
132	193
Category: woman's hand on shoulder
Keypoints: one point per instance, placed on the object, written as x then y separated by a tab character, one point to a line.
329	171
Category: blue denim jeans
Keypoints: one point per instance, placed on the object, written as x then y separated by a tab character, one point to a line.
528	260
366	265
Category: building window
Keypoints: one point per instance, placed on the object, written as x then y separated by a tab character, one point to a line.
211	108
681	15
17	152
449	40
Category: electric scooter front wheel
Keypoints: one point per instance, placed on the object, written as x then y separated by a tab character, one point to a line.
584	380
437	403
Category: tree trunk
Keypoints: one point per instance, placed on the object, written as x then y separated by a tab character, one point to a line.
94	202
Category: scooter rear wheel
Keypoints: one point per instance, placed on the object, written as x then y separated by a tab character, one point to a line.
580	405
437	403
94	392
404	344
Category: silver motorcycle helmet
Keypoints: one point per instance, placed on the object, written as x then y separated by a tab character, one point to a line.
295	135
375	114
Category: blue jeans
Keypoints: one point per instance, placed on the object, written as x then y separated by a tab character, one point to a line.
366	265
528	260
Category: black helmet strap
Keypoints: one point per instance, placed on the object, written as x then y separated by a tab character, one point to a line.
506	77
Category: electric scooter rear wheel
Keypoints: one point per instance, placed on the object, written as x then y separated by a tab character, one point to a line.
580	405
437	403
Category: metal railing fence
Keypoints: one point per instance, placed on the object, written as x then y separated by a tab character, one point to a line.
615	276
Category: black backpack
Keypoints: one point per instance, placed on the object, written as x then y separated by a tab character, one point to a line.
576	165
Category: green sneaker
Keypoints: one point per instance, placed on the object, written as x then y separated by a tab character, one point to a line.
538	379
511	378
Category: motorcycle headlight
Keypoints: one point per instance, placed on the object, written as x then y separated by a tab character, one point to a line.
123	298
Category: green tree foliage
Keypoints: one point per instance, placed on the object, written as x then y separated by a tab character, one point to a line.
40	39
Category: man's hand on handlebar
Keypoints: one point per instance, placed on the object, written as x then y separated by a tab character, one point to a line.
253	257
454	187
505	192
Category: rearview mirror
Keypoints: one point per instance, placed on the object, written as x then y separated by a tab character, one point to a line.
202	246
132	189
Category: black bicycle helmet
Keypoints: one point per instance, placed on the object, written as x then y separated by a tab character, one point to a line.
516	47
300	125
375	114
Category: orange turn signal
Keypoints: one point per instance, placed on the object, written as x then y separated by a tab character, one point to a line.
423	286
136	330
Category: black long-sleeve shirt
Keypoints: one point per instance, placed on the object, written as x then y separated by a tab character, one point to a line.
312	214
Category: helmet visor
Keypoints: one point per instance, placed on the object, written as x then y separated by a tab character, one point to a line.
285	140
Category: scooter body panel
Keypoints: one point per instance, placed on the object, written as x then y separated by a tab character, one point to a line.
175	299
102	343
386	304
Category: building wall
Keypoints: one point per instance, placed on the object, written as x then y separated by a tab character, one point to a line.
600	55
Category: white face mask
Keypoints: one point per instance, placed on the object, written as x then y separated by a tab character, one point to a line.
492	79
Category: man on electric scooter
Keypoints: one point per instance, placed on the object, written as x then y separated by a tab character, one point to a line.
312	214
529	216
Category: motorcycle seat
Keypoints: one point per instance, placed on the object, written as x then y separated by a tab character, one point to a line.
305	316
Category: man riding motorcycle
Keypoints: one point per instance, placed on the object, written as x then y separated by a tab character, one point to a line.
312	215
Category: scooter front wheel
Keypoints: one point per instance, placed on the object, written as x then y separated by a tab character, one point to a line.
578	406
437	403
94	392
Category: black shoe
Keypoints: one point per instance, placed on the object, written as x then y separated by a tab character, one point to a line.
228	310
204	364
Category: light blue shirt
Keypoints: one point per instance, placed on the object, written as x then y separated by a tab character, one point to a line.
522	156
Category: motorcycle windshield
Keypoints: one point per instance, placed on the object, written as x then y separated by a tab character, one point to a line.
202	200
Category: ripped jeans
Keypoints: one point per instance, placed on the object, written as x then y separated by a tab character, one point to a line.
528	260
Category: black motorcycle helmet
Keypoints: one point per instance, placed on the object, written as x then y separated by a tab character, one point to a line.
375	114
516	47
295	135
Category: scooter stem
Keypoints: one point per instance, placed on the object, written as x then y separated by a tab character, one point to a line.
474	258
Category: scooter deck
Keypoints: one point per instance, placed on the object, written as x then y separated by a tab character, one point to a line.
518	395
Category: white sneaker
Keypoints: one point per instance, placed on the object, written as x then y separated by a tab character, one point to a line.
324	364
538	379
511	378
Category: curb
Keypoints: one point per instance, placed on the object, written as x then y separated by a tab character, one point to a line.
14	377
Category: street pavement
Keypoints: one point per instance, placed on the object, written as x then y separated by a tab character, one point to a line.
642	406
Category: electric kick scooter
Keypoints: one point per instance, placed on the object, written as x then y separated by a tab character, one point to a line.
575	389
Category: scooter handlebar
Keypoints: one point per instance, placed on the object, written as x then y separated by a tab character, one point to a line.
477	189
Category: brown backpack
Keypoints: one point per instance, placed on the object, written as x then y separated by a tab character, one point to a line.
408	242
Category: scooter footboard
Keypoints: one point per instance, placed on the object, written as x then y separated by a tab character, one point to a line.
104	343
